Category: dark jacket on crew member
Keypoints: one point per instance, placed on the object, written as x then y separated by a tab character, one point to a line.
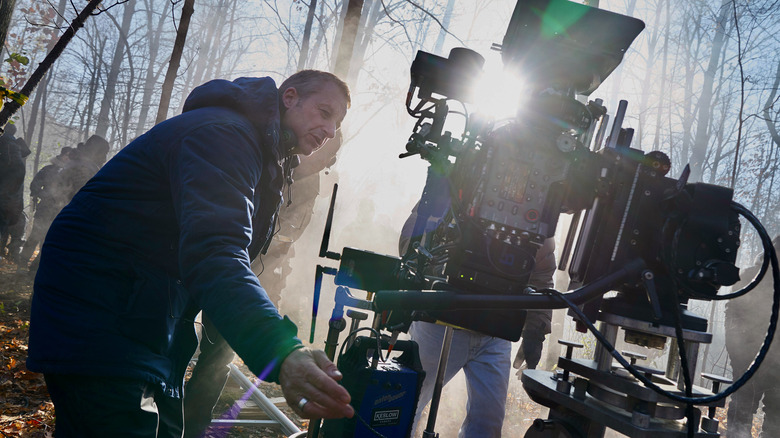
12	170
167	227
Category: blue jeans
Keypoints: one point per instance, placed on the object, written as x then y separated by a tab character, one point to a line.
485	361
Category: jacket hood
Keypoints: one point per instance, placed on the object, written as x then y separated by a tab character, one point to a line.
254	98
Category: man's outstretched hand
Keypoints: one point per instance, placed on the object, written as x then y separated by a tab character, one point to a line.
310	375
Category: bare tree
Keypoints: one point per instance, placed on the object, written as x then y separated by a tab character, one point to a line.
705	99
113	72
437	48
348	36
173	66
45	85
307	35
6	12
11	107
153	35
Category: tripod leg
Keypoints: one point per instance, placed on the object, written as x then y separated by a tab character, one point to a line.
445	354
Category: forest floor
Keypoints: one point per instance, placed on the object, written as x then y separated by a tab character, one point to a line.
26	410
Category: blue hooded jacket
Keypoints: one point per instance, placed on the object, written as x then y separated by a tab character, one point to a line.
166	228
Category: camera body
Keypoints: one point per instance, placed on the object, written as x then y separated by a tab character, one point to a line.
494	195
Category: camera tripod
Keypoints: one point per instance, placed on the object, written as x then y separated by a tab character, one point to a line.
601	395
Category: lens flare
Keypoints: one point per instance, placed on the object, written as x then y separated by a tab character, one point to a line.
500	93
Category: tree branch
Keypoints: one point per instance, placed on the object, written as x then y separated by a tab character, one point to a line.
11	107
435	19
119	2
742	96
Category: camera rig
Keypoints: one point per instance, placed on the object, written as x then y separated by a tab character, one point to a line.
494	195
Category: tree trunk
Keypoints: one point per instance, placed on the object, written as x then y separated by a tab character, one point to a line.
127	112
92	95
205	52
113	72
348	36
41	96
44	91
215	69
651	59
769	118
173	66
304	56
373	12
690	68
445	22
30	127
6	12
150	81
662	92
342	14
702	125
324	23
771	124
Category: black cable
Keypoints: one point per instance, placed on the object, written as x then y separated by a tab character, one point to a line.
686	370
353	333
744	212
688	385
374	431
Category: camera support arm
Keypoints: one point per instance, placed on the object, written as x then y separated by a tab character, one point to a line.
449	300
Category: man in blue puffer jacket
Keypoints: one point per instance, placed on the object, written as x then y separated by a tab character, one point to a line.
166	228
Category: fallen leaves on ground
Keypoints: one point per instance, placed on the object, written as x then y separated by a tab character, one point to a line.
26	410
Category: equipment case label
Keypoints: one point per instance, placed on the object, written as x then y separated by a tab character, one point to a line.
386	417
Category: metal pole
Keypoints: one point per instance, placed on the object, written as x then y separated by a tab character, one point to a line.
288	427
437	387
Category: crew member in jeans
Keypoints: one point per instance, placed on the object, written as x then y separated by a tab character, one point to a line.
485	360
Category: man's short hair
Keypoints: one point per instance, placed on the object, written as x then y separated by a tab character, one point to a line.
306	83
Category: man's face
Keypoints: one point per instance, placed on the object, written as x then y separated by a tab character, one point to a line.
314	119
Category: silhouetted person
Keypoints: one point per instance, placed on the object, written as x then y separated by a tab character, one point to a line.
47	196
88	158
13	152
747	319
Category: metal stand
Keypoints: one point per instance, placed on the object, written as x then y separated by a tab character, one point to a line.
277	419
603	395
439	384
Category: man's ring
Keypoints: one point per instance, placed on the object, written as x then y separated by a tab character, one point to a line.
302	403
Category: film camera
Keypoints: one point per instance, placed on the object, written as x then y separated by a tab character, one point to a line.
495	194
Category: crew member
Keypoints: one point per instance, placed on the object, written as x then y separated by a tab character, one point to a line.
47	199
166	228
485	360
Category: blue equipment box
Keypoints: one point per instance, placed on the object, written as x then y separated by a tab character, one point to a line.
384	397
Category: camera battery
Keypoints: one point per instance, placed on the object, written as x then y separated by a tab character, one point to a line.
384	397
